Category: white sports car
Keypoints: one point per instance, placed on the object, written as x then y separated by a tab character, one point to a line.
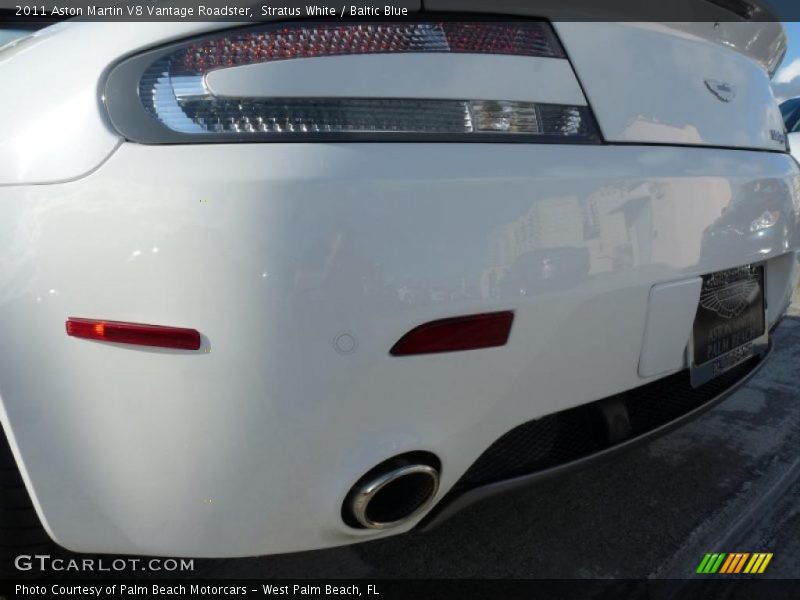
305	283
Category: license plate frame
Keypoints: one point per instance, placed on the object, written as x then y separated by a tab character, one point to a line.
730	325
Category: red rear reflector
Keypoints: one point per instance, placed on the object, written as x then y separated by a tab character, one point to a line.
457	333
134	333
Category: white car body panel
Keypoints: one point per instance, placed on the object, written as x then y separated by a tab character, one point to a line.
669	306
646	81
250	448
273	251
54	128
631	73
763	40
446	76
25	159
794	144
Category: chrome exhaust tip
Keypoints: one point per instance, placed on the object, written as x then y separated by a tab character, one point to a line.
391	494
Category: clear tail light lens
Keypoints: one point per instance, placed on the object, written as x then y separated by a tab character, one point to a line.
287	116
179	107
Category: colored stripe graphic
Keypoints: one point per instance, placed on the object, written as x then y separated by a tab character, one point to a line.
734	563
730	564
764	564
711	563
755	562
727	564
718	563
741	562
703	563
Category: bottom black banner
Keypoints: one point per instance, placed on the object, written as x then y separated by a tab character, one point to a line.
465	589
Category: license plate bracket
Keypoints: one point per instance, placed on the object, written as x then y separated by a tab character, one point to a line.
730	325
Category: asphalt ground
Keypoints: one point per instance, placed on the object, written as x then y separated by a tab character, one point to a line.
727	482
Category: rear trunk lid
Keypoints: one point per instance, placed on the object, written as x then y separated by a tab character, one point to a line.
667	83
704	83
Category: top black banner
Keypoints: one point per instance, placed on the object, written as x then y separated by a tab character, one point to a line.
394	589
44	11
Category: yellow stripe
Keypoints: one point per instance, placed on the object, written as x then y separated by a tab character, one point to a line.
752	562
761	557
765	563
741	562
728	561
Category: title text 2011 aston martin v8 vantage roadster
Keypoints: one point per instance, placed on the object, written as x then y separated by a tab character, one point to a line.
305	283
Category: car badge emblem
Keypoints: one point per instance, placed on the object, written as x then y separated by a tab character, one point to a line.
724	91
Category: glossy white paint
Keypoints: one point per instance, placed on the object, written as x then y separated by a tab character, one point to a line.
446	76
650	83
275	251
53	127
670	314
647	81
794	144
251	447
613	61
764	40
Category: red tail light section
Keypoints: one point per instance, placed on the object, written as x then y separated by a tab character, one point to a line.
134	333
267	43
455	334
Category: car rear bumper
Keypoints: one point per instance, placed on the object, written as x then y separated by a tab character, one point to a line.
274	252
573	439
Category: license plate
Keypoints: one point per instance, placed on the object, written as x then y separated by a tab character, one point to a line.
731	322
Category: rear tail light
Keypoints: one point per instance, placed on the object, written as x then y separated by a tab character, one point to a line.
305	40
176	104
457	333
134	333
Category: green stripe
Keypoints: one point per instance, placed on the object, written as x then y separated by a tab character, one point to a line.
718	564
711	562
702	567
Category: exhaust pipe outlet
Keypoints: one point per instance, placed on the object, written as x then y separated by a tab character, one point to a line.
391	494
